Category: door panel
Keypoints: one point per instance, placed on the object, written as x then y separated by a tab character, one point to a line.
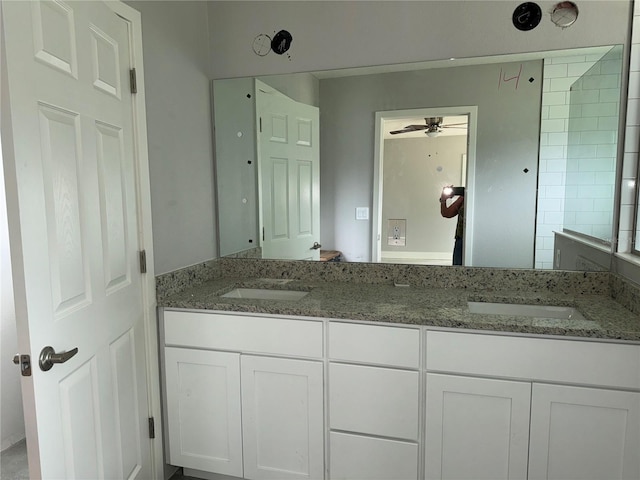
65	225
83	445
125	399
113	206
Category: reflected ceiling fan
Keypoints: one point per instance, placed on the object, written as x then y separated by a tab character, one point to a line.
432	127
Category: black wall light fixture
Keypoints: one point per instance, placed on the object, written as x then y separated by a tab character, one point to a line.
527	16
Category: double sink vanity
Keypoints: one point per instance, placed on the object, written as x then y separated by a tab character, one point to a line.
287	370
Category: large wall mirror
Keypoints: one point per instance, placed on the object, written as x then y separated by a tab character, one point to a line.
307	166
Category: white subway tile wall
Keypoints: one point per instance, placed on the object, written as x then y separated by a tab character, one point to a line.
592	148
559	75
629	195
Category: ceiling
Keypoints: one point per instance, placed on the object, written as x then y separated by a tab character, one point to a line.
400	123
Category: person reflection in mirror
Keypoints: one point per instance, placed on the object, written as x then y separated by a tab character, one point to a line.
453	209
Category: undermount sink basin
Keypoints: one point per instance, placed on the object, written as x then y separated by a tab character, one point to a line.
265	294
535	311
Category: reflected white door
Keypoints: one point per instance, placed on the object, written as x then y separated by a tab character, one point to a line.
289	166
70	161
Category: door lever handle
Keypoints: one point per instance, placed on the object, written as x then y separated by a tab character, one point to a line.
48	357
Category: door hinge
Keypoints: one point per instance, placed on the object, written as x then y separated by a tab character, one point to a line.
263	234
152	427
133	80
143	261
260	124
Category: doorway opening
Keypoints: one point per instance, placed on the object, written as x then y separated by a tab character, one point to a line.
417	153
13	448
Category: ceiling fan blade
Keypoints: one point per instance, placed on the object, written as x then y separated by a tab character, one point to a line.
410	128
394	132
454	124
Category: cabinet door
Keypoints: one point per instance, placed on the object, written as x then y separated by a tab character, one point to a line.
282	412
584	433
356	457
203	410
476	428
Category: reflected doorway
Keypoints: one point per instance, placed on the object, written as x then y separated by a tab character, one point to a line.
418	152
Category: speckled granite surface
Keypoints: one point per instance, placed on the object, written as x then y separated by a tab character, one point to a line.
437	296
174	282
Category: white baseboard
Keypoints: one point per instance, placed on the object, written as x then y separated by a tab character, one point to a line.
424	258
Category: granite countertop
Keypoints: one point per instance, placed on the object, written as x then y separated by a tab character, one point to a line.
604	318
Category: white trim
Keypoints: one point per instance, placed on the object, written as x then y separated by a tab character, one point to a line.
416	255
145	232
417	258
376	217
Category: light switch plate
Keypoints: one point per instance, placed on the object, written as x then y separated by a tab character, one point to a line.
362	213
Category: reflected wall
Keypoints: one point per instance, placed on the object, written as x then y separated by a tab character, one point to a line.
592	149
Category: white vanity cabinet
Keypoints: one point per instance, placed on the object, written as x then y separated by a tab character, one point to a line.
282	418
245	395
203	410
264	397
584	433
476	428
374	402
582	420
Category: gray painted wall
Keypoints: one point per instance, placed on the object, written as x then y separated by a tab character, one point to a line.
415	170
11	413
176	54
507	143
301	87
236	174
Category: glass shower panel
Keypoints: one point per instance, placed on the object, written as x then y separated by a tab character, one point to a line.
592	142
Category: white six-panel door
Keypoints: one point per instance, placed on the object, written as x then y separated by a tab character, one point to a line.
70	159
289	172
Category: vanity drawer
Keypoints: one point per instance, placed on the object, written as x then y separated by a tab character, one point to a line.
244	333
355	457
542	359
375	344
374	400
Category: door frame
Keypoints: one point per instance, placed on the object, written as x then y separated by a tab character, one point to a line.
378	165
144	231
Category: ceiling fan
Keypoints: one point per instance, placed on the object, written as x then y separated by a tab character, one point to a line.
433	126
